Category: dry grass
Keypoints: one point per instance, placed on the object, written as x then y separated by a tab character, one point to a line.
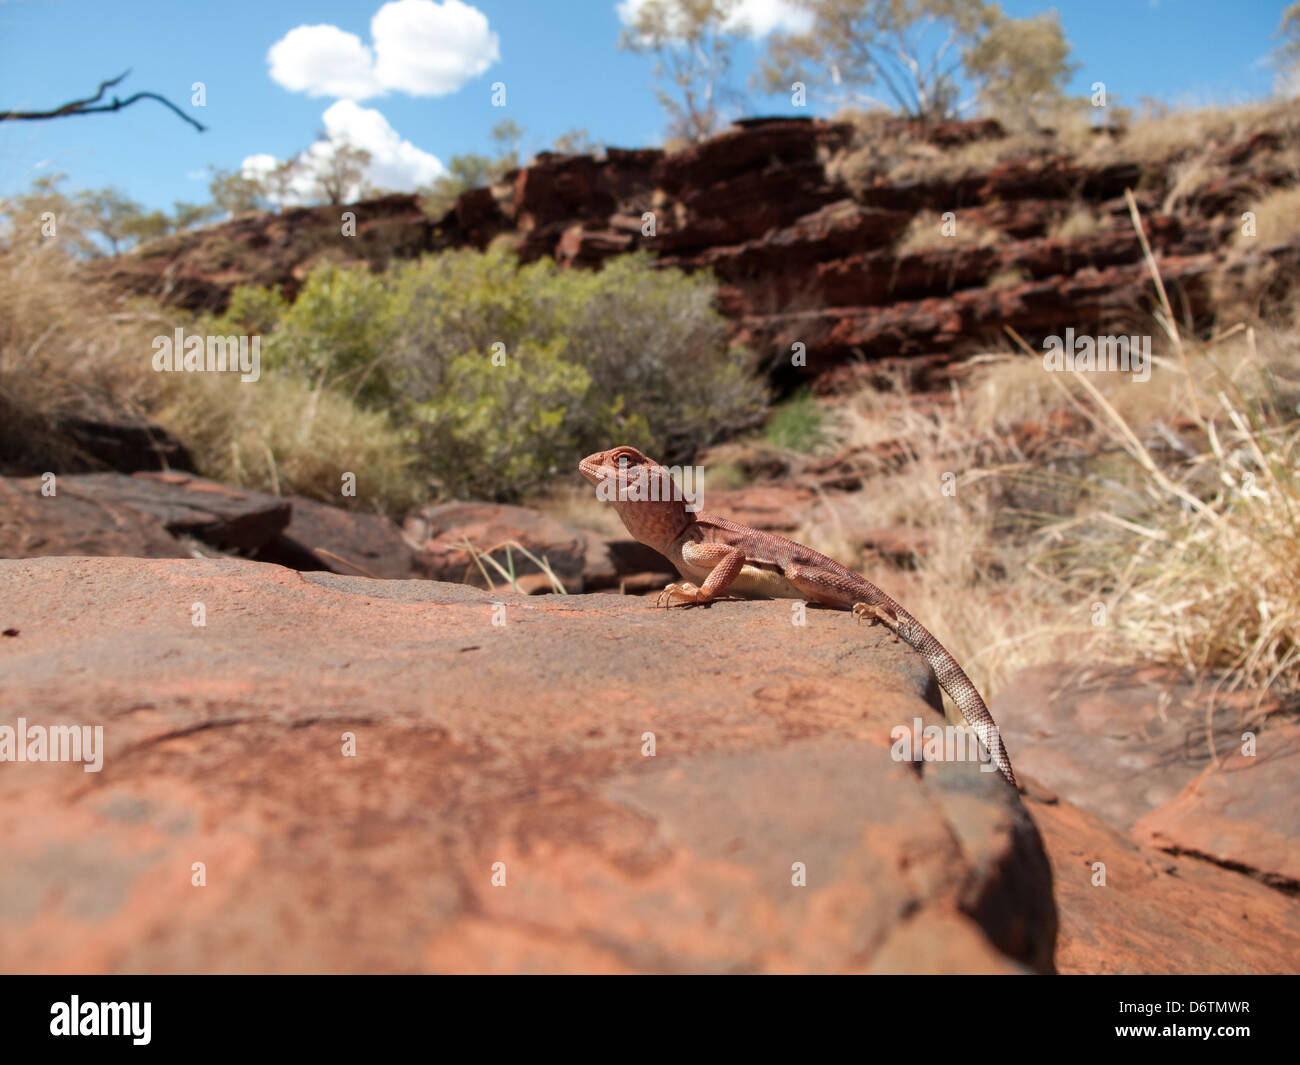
68	348
1181	139
1161	138
1195	557
1007	277
65	349
1166	529
1080	221
926	232
1188	177
1277	217
282	436
925	163
1199	563
947	493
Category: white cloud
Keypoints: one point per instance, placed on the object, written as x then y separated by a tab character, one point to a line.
258	165
429	49
323	61
395	163
759	17
419	47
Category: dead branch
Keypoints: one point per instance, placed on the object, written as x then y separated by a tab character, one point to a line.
83	107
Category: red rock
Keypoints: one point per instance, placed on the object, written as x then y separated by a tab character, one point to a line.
478	217
761	204
1156	914
749	146
558	189
781	508
479	744
1035	309
1243	814
227	518
1116	743
32	524
324	537
124	446
745	206
583	246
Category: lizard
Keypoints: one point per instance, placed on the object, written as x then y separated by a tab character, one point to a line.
727	557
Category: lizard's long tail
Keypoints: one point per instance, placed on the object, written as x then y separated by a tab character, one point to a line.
952	678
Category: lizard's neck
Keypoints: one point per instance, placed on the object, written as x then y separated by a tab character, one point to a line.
657	525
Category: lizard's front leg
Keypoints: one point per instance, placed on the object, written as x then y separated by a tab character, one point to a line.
724	564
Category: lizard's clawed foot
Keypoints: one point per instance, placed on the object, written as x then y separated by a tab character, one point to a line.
684	594
875	613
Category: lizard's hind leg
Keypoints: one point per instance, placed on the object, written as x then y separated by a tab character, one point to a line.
873	612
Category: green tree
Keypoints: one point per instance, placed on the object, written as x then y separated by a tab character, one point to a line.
112	214
692	42
338	333
28	215
1021	66
498	431
913	49
506	135
280	180
237	193
193	215
1286	56
340	174
501	373
464	172
576	142
149	227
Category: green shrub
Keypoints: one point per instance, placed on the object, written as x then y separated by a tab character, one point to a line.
505	374
252	310
497	430
339	332
797	423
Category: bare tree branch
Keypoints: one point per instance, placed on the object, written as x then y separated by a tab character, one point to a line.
82	107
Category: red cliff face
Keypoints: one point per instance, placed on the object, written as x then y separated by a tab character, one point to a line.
804	253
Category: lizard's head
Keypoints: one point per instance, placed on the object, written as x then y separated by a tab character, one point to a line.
606	464
644	493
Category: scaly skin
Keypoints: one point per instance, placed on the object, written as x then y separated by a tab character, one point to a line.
724	556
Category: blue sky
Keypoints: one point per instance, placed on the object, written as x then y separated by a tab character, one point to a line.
557	58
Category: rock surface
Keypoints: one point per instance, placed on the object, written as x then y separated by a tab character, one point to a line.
1121	743
324	537
479	744
1161	861
33	524
1243	813
155	515
1154	913
186	505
